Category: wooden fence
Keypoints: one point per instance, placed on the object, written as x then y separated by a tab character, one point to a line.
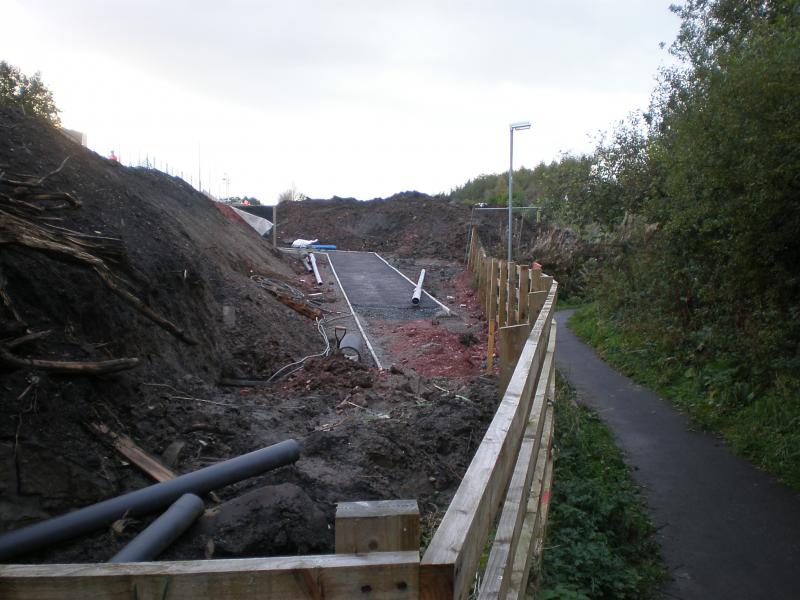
512	295
506	489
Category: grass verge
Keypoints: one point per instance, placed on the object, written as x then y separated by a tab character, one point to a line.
761	425
600	543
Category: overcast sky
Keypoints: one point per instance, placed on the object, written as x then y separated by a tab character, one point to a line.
348	98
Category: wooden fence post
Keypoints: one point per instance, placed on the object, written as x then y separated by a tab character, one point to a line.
535	303
492	316
536	284
377	526
512	294
522	294
512	339
502	304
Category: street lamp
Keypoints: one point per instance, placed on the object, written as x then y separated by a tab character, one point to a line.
522	125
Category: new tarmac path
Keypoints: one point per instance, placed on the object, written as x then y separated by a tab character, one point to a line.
727	530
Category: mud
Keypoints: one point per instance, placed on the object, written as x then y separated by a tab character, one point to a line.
364	435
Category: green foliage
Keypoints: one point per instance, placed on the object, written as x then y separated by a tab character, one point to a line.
703	291
600	543
291	195
28	93
760	420
705	307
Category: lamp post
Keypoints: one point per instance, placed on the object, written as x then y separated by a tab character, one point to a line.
513	127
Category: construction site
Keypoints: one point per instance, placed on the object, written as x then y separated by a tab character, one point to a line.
157	348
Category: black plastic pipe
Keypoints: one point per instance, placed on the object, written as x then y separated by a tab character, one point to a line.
147	500
167	528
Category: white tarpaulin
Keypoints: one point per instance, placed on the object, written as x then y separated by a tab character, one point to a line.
260	224
303	243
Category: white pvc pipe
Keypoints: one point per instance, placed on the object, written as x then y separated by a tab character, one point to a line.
418	290
314	267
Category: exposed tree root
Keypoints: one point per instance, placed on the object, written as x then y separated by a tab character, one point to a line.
102	367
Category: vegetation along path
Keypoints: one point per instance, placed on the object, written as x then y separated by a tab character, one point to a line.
727	530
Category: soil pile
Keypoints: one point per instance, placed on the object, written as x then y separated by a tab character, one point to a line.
406	224
412	224
186	308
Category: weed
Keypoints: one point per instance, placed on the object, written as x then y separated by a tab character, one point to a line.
758	417
600	543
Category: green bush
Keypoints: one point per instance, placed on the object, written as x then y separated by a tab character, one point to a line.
600	543
28	93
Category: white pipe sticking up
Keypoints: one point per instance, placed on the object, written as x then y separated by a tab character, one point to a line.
314	267
418	290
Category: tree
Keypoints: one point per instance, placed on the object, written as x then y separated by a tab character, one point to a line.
291	195
28	93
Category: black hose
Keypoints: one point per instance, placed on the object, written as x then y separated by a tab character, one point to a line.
147	500
167	528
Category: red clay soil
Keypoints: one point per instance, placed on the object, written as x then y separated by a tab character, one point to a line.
440	347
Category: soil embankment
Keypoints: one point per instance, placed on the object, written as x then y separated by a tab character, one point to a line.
363	434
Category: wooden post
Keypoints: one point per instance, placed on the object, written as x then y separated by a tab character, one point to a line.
547	281
447	570
535	303
482	282
275	225
512	339
492	315
473	252
330	576
512	294
535	275
502	297
377	526
522	293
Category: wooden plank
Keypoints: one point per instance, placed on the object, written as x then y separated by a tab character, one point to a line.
535	303
547	281
536	275
491	291
482	282
377	526
378	576
475	248
492	315
490	348
502	295
512	340
454	551
522	294
497	575
544	504
512	294
300	306
542	478
134	453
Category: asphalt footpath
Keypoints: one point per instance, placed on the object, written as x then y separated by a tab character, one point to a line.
727	530
375	289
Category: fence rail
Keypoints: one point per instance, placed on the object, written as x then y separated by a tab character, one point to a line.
506	488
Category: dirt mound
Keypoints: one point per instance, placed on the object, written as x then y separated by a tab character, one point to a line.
406	224
364	435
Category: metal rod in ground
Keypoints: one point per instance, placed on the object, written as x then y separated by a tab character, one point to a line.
418	290
160	534
147	500
314	266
